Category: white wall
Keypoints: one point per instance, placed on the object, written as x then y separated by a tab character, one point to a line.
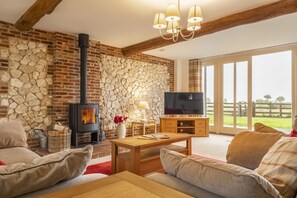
181	75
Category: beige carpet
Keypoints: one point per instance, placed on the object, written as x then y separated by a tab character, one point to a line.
214	146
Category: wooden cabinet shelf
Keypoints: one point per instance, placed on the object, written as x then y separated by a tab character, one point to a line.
192	125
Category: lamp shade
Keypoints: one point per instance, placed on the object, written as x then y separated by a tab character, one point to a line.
159	22
195	14
143	105
193	26
172	13
173	27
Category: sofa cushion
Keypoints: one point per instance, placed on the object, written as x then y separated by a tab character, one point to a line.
170	160
224	179
248	148
12	134
20	178
259	127
279	166
17	155
180	185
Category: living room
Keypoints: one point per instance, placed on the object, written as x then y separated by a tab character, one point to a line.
128	62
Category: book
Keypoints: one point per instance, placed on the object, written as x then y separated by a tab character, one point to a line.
154	136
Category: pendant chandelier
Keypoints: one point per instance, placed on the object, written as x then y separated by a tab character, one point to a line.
170	22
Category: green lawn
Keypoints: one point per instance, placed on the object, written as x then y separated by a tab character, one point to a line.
284	123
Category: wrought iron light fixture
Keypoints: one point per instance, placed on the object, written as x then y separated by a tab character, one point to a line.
171	19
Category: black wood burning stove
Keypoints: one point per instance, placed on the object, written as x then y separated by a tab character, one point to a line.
83	117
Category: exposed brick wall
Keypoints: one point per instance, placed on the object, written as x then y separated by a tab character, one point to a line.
7	30
65	68
66	88
3	111
66	74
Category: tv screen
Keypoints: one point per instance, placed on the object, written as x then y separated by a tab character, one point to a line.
183	103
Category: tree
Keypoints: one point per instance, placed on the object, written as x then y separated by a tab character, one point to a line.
280	99
260	101
267	97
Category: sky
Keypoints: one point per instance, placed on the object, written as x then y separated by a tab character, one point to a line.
271	74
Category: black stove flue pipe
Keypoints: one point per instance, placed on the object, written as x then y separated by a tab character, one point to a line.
83	43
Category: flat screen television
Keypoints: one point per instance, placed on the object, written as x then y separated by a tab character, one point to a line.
183	103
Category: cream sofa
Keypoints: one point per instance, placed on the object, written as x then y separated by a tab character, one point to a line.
208	178
26	174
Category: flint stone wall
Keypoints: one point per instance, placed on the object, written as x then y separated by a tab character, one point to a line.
126	82
28	82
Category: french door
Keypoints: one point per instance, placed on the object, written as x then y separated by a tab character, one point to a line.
234	96
256	88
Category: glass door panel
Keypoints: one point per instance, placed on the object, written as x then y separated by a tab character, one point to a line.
272	89
228	94
208	86
241	94
235	96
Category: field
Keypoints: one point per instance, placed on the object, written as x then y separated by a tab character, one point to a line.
284	123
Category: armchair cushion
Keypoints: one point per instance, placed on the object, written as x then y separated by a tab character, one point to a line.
12	134
259	127
279	166
248	148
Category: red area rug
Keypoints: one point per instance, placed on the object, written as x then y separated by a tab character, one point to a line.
104	168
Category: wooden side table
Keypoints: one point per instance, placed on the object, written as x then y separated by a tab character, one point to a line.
149	123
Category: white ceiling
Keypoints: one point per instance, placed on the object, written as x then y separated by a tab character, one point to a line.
274	32
121	23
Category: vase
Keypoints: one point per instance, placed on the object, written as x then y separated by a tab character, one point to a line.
121	130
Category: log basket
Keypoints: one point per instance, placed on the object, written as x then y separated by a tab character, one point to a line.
58	141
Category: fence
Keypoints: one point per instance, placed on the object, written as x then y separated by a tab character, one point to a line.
258	109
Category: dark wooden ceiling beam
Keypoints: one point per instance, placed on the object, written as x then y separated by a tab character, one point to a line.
35	13
261	13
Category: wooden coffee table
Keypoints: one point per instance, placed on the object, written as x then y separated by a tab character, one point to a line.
144	155
124	184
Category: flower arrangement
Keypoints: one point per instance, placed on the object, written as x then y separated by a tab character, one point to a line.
119	119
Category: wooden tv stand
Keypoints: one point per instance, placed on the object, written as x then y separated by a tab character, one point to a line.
192	125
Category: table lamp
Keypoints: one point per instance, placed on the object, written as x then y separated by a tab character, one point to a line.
143	105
